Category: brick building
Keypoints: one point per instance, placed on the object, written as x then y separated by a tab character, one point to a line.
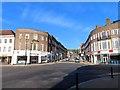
103	43
33	46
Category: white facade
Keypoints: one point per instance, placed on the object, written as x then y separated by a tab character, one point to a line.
28	53
6	47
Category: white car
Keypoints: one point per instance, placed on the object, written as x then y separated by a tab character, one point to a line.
21	61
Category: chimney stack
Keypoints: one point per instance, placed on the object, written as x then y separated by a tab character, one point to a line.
107	21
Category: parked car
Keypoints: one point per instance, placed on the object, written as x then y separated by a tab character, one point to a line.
44	59
114	61
21	61
76	59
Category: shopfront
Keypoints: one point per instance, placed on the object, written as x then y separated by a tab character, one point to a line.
33	59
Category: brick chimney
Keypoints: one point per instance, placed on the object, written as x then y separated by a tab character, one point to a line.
107	21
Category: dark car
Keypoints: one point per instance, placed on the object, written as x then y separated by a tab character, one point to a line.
76	59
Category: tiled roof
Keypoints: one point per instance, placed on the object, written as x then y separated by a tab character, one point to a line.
6	32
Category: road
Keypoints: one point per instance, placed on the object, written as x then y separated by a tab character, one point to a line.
43	76
60	75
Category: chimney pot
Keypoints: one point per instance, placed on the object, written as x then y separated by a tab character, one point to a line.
107	21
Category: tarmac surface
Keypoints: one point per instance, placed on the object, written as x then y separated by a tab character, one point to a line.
102	82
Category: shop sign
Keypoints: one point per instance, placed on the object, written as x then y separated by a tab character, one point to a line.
98	51
110	50
89	53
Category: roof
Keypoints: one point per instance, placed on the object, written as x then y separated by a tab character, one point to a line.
6	32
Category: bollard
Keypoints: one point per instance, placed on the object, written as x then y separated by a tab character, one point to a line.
76	81
111	72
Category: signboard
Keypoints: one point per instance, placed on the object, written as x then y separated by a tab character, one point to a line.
111	50
89	53
98	51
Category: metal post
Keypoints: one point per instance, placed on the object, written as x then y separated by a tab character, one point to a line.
26	51
111	72
76	81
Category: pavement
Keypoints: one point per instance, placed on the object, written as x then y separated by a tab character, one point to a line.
104	82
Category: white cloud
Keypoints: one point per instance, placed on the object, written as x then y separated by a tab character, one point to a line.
50	17
6	21
25	13
40	15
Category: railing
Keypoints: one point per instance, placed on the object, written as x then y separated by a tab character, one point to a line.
103	38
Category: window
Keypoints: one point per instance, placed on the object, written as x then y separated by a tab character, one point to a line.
114	32
95	35
0	40
49	41
9	49
0	49
10	40
26	36
115	42
4	49
35	36
42	47
42	37
104	45
91	47
99	45
91	37
108	33
34	46
94	46
20	36
46	38
98	35
27	44
103	34
5	40
119	31
108	44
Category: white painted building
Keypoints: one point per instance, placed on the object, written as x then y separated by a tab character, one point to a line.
31	56
6	45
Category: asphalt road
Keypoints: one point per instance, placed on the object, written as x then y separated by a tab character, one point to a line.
60	75
43	76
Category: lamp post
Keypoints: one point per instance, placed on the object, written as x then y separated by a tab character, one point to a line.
26	50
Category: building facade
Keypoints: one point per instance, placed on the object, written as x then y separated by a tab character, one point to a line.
33	46
6	45
82	51
57	50
103	43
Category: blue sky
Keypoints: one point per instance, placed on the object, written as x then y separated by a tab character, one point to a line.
69	22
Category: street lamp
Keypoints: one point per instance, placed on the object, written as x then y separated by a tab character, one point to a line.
26	50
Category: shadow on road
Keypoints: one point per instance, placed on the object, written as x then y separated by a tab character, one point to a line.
85	73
